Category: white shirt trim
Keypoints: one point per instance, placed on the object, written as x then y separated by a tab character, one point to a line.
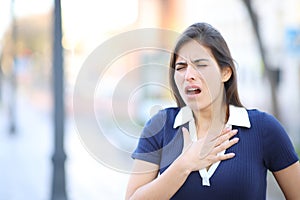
238	116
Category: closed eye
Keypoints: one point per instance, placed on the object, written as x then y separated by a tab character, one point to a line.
201	65
200	62
180	66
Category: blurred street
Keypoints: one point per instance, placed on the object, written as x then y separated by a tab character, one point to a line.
26	165
268	77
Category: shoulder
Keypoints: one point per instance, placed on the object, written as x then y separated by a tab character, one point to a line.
166	114
263	118
266	125
171	111
256	113
163	118
278	150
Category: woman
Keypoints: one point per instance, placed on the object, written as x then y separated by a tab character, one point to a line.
210	146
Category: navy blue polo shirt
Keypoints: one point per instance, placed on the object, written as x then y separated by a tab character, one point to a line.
262	146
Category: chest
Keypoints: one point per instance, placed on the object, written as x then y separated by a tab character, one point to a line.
243	177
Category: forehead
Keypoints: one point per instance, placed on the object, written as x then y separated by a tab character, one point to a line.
193	50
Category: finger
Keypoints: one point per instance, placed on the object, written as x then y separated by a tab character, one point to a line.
186	139
225	145
225	137
226	129
216	158
225	156
223	132
210	146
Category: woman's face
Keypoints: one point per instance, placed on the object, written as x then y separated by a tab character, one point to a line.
198	77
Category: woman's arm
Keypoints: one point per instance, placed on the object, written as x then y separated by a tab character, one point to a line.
289	181
148	186
144	183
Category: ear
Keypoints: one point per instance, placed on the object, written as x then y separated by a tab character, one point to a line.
226	74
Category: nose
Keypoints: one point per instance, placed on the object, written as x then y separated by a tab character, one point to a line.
190	73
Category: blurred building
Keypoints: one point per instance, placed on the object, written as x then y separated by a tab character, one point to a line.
279	23
135	84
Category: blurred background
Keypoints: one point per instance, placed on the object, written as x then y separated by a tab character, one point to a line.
41	153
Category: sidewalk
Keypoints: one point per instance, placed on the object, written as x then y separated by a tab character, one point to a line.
26	166
25	169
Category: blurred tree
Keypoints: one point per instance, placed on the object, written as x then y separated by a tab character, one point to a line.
271	74
26	39
1	75
34	40
12	75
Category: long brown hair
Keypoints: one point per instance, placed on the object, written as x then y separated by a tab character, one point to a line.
209	37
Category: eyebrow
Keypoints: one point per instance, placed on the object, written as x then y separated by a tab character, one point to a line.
194	61
180	63
199	60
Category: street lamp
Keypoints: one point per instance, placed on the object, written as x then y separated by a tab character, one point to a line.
59	156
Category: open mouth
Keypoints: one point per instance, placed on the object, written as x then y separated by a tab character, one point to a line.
192	90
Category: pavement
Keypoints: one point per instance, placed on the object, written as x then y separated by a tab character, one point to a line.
26	167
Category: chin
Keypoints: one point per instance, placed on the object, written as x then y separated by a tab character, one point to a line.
198	106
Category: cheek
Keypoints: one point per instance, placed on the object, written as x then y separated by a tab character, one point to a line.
212	81
178	80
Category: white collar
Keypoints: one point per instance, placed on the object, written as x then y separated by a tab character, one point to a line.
238	116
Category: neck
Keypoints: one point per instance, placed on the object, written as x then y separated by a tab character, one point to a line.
211	120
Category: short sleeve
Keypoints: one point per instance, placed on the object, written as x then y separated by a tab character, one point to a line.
150	143
279	152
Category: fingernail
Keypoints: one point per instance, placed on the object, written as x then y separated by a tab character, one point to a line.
234	131
227	128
